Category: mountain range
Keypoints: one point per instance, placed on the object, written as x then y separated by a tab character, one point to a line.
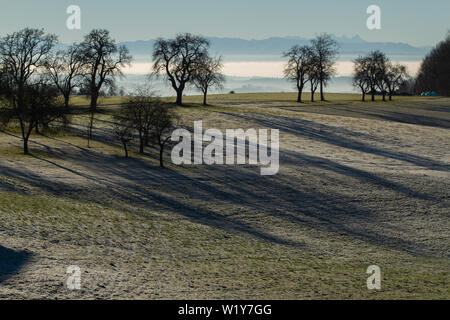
276	45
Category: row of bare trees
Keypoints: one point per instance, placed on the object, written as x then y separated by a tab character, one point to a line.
374	73
25	95
33	75
313	64
146	117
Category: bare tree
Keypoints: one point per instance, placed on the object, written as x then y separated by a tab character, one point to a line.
207	75
40	105
178	59
381	63
163	122
326	50
376	70
65	69
361	76
298	66
123	129
140	109
85	124
104	61
22	56
395	76
314	75
3	80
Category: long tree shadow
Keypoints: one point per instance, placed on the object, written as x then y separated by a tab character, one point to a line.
11	262
385	112
134	182
185	192
142	196
409	118
323	133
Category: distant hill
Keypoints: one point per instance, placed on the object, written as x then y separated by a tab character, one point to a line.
276	45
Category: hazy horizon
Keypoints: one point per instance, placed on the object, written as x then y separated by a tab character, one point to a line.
414	21
138	22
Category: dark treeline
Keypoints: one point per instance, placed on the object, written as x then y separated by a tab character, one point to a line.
434	73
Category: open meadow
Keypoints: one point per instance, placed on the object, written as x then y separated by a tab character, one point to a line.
359	184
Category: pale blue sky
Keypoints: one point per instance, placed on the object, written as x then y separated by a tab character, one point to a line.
417	22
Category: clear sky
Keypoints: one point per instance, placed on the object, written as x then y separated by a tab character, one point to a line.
417	22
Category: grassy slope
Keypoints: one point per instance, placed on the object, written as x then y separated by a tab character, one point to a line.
128	250
197	261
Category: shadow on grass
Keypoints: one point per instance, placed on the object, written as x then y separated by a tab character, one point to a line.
340	137
11	262
237	199
212	195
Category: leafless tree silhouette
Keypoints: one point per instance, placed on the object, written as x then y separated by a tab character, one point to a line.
361	77
326	50
396	75
207	75
123	129
178	59
103	60
65	69
164	120
375	71
314	74
22	55
297	69
140	110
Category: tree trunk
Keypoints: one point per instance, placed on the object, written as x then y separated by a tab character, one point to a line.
384	96
66	101
322	97
125	149
92	109
141	146
146	139
390	96
363	96
299	96
373	95
25	145
161	150
312	95
179	98
94	98
205	93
